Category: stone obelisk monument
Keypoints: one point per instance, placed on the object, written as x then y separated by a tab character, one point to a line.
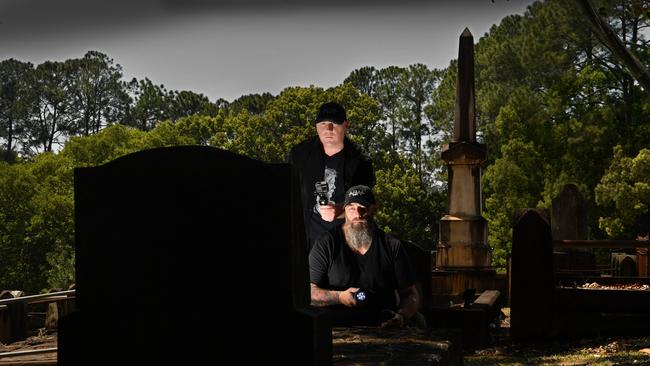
463	255
463	232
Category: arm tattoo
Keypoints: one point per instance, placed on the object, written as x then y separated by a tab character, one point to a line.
321	297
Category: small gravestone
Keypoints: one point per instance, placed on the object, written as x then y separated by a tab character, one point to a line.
569	222
624	264
569	214
532	282
190	255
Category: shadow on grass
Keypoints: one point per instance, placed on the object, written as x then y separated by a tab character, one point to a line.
598	351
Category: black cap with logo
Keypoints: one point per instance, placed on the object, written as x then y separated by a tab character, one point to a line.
360	194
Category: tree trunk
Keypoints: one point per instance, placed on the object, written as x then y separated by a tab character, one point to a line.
50	137
10	133
607	36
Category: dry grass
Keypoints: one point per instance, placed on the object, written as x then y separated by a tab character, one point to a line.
612	351
597	351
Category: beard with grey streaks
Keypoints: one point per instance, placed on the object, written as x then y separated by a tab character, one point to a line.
358	234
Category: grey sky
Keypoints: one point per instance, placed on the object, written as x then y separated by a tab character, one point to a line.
228	48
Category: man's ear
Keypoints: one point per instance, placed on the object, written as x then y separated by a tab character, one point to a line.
373	208
346	123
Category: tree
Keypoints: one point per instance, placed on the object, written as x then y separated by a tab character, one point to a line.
186	103
50	234
363	79
515	180
406	209
14	103
108	144
36	218
251	103
193	130
383	86
98	95
51	120
405	96
416	89
625	190
151	104
548	89
17	187
617	46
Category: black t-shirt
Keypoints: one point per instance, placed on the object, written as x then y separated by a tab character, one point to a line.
384	268
333	175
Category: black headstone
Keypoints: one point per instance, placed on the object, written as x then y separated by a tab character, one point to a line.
188	254
569	214
532	282
569	222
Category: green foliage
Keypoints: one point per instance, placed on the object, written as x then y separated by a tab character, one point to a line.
626	187
405	97
193	130
186	103
37	221
251	103
406	210
151	105
17	188
14	104
110	143
551	104
288	119
97	95
513	181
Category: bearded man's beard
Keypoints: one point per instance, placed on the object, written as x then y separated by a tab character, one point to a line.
358	234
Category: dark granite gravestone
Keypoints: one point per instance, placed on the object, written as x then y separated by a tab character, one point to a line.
569	214
187	255
569	222
532	282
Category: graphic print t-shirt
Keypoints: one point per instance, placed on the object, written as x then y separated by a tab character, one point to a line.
333	175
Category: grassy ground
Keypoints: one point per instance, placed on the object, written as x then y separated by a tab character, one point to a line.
596	351
606	351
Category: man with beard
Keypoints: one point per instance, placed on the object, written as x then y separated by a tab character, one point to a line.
356	269
332	158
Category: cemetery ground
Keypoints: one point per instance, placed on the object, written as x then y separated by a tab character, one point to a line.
599	350
604	350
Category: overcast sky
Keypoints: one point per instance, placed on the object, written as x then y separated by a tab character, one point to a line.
228	48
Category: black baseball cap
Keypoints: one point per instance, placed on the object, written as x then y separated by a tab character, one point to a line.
360	194
332	112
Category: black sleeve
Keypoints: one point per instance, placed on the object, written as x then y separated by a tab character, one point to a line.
319	261
403	269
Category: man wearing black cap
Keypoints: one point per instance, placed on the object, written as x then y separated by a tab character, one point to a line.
356	269
333	162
